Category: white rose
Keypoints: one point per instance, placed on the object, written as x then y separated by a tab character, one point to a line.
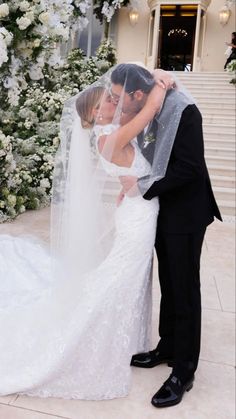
4	10
56	141
55	59
23	23
24	6
35	72
30	16
44	183
44	18
3	52
13	96
62	31
37	42
83	6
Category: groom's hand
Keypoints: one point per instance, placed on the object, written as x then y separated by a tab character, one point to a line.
130	185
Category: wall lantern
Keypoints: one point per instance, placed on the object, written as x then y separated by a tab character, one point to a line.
133	16
224	15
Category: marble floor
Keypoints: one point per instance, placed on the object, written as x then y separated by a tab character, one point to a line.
213	395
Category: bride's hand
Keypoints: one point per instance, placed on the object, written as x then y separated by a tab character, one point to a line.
130	185
163	79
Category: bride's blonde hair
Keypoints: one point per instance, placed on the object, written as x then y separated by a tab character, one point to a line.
86	102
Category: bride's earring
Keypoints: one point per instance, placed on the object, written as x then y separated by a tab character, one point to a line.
100	117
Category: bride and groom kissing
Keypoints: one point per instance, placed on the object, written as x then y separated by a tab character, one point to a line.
95	321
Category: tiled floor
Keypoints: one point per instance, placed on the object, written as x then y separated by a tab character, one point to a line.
213	395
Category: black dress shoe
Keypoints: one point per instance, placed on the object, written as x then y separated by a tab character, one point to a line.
172	391
150	359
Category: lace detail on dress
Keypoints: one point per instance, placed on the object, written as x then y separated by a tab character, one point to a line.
73	342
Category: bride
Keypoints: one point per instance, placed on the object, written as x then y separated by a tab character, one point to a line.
70	320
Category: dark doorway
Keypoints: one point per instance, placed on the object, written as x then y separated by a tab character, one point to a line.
177	34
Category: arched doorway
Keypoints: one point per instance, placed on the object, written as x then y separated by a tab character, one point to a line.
177	35
176	32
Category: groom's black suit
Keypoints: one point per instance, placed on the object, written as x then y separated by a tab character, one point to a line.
187	206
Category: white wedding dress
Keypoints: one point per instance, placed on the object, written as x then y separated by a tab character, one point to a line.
78	343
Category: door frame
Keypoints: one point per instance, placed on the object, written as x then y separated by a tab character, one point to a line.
154	29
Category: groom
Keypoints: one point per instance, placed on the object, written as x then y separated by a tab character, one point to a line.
187	207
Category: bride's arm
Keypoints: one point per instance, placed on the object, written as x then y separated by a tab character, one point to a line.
118	139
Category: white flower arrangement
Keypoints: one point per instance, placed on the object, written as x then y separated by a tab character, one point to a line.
26	29
35	83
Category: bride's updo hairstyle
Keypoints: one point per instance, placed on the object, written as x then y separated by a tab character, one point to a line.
86	102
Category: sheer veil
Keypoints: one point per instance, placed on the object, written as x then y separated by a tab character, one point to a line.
81	218
88	297
84	194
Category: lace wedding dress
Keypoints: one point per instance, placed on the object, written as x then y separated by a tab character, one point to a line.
78	343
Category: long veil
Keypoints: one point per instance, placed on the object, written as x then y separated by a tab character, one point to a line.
46	337
82	208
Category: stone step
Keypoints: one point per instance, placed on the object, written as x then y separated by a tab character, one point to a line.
221	170
223	181
219	129
226	207
219	151
224	129
215	97
218	107
219	142
195	86
218	135
224	194
214	109
212	93
111	187
212	118
220	160
205	98
217	75
201	83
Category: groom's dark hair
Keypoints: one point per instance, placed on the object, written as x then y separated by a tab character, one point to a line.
133	77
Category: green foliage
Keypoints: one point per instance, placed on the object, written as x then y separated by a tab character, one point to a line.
231	68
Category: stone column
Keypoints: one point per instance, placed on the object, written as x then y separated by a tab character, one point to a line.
197	32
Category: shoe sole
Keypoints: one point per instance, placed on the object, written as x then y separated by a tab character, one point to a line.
165	361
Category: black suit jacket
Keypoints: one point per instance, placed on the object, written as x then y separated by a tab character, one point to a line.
187	202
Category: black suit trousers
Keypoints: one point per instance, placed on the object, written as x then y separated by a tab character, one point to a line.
180	309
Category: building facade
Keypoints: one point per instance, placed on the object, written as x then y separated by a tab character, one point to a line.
176	34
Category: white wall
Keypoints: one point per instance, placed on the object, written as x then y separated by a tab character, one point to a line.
132	40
